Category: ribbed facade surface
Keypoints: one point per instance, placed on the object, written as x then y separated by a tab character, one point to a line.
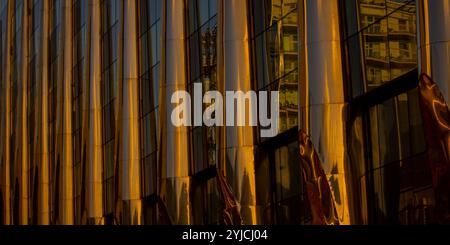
85	109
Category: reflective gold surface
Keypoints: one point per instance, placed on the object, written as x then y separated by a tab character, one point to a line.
230	213
323	207
173	155
6	129
95	146
23	167
43	163
325	96
66	208
57	163
237	145
130	165
388	40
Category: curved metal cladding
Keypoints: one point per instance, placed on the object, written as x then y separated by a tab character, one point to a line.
65	211
22	148
43	166
173	144
230	212
130	169
325	96
6	121
323	208
436	118
95	150
237	145
434	42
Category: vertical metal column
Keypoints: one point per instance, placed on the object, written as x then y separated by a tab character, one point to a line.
130	164
43	167
66	214
22	112
6	133
325	96
174	180
237	143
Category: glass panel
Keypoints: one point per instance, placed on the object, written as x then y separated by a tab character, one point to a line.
397	169
291	207
202	39
388	36
275	40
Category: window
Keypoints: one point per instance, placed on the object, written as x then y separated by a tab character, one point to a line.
79	76
389	141
397	158
404	50
202	55
275	38
109	85
402	25
150	27
201	20
280	186
384	29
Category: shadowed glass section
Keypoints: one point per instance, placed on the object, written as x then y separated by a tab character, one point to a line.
201	20
149	72
78	92
109	86
387	136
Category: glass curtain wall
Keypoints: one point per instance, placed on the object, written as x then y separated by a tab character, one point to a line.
201	21
109	85
275	41
387	139
149	59
80	8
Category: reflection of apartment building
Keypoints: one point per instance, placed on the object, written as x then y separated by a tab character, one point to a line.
85	132
389	34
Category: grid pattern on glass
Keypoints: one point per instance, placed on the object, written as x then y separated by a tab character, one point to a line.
290	195
79	76
109	83
275	38
201	19
149	59
275	58
397	170
201	36
55	60
387	33
280	189
394	182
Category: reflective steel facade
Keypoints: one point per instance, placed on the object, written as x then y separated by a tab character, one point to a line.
85	107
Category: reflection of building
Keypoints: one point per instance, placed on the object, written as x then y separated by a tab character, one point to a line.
85	136
390	44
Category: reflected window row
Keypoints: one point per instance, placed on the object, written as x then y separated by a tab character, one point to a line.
275	41
386	43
